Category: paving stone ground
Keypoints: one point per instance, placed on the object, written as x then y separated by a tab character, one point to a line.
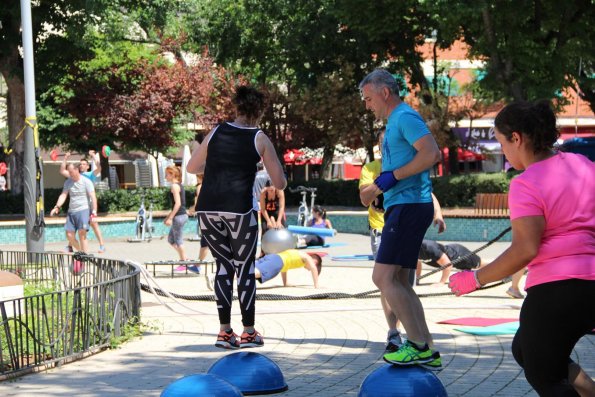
323	347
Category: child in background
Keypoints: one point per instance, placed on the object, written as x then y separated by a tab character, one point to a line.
177	217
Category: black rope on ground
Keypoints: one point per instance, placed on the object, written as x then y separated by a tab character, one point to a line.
341	295
464	257
373	294
271	297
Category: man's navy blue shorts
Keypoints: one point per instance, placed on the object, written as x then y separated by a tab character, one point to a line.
405	226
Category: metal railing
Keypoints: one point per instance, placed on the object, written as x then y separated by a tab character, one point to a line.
73	305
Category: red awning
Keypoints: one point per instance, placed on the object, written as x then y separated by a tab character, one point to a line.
295	157
291	155
465	155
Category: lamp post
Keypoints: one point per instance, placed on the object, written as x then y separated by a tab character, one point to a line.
33	180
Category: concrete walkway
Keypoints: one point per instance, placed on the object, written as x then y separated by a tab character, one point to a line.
323	347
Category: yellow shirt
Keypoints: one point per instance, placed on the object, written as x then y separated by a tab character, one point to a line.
369	173
291	260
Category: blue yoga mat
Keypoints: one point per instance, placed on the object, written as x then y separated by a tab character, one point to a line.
500	329
348	258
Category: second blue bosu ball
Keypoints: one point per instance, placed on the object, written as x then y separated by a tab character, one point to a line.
395	381
252	373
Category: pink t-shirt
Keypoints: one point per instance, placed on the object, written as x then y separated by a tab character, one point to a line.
562	190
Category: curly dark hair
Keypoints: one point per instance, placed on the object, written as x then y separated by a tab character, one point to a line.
249	101
536	120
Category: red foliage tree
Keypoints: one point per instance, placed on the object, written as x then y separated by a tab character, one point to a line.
139	105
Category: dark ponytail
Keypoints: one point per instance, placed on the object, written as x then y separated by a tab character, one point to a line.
535	120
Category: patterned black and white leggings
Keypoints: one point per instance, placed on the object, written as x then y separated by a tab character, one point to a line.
232	240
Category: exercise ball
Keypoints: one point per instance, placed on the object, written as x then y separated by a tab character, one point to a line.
200	385
401	381
250	372
278	240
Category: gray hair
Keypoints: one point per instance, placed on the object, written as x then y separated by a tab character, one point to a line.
380	78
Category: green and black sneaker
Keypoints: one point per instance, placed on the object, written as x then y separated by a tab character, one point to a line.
435	364
410	354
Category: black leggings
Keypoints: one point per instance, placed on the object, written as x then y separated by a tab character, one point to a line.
553	318
232	240
313	240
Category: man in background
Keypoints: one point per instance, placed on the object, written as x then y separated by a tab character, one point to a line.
93	173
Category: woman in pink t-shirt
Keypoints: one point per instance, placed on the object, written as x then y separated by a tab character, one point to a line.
552	211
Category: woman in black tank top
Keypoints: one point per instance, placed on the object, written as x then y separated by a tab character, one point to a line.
227	208
177	217
272	208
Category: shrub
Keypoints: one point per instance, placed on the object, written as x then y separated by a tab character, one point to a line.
460	190
121	200
340	193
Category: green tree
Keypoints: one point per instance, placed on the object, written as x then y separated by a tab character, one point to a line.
332	114
64	33
130	98
391	32
51	20
290	48
586	82
394	31
531	49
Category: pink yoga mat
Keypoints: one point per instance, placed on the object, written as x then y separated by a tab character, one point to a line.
478	321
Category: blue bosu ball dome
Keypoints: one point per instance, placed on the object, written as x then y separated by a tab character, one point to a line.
395	381
250	372
201	385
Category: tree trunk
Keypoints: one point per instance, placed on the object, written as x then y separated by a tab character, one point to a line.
586	90
453	160
327	161
15	106
370	151
104	161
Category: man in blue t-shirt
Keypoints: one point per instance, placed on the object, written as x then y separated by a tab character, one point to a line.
94	175
408	152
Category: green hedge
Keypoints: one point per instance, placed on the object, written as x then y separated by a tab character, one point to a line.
111	201
121	200
343	193
15	204
460	190
452	191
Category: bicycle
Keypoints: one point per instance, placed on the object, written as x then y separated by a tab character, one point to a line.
144	223
305	213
